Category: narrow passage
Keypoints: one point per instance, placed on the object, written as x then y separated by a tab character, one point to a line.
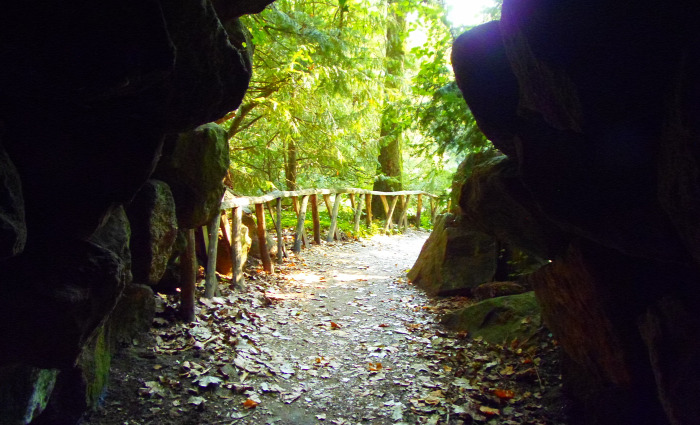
336	336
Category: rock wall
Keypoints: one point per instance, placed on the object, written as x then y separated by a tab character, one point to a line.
91	94
595	104
455	258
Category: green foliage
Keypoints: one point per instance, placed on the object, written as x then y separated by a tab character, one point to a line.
333	84
345	223
313	106
442	116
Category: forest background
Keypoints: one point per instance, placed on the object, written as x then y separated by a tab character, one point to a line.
351	93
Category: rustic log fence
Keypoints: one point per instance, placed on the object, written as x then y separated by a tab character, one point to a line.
232	206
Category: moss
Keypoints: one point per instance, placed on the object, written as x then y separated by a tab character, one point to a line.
24	392
94	363
498	320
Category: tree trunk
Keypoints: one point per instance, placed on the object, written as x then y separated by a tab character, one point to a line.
188	277
390	171
290	168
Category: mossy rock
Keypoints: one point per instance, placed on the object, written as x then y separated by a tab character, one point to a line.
132	315
454	259
94	363
194	166
24	393
498	320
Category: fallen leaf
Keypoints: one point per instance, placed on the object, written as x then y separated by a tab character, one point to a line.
206	380
489	411
335	325
397	412
250	404
508	370
289	398
504	394
433	401
196	401
152	388
287	369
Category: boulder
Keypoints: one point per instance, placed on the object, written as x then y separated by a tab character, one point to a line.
496	232
499	320
251	239
454	259
132	315
223	259
223	255
194	166
54	301
89	94
608	370
114	235
13	230
81	387
595	106
153	231
464	171
24	393
497	289
494	201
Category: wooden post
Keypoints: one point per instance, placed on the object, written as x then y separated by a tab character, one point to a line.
295	203
387	226
298	237
368	206
272	214
211	285
262	238
236	249
278	225
327	200
317	222
433	209
418	208
403	222
205	232
334	218
226	226
358	213
188	276
352	200
385	204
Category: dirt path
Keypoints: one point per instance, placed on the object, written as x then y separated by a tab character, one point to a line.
337	336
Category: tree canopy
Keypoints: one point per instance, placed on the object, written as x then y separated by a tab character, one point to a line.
327	89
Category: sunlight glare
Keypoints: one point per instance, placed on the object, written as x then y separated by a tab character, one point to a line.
467	12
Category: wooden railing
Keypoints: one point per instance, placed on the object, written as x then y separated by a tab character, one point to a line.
233	205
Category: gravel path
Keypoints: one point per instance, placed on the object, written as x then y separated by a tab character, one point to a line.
337	336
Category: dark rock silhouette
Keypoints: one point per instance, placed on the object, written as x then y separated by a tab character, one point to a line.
89	94
596	106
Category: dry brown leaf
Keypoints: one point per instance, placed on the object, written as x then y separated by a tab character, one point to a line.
489	411
504	394
250	404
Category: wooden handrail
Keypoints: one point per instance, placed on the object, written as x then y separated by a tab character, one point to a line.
229	200
237	203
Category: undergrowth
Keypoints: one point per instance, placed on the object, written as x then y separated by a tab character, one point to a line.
345	222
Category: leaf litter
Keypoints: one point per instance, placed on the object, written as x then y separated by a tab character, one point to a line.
338	336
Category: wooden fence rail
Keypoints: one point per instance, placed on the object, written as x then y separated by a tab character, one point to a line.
300	201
